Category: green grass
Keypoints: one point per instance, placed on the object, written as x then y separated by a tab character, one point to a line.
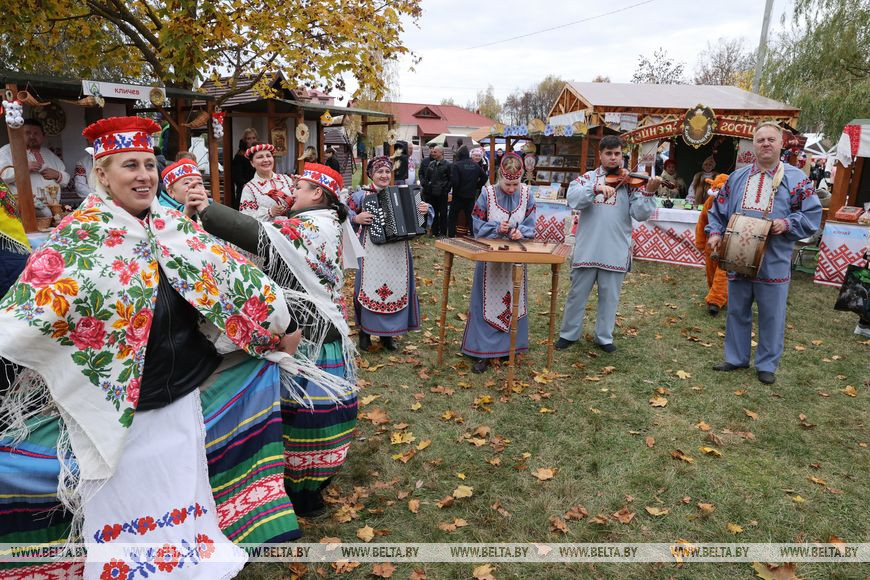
596	437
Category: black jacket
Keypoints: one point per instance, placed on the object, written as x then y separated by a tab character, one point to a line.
243	172
438	178
333	163
467	177
178	357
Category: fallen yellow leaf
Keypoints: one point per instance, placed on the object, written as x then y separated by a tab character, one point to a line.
383	570
734	528
399	437
706	508
460	475
710	451
424	444
657	401
850	391
417	406
544	473
650	441
414	505
798	499
752	415
463	491
368	399
816	480
703	426
655	511
483	572
557	524
774	572
684	375
366	534
677	454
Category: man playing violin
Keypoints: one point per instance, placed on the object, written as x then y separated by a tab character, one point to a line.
609	200
782	193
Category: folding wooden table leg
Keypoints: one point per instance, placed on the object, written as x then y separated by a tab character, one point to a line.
445	290
515	313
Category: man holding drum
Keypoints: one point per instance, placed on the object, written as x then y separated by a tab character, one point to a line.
782	194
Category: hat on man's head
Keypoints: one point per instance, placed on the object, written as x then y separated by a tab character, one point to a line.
178	170
259	147
121	135
322	176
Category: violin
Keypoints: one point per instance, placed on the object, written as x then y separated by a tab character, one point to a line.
628	178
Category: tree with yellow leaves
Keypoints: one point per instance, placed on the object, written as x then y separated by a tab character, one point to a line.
180	43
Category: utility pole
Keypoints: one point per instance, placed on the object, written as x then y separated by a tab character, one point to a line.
762	47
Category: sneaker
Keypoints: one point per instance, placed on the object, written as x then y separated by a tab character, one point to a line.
563	343
607	347
480	366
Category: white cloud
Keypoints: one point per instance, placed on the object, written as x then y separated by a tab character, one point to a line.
607	46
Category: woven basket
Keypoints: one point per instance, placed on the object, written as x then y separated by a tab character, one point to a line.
43	223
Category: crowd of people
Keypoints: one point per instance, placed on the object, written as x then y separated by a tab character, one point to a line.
165	359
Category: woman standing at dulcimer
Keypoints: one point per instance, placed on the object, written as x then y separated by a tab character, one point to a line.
505	210
385	295
269	194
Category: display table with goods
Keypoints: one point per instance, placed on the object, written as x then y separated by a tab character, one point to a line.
668	236
842	244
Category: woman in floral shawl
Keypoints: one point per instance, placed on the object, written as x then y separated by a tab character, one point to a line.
306	254
101	331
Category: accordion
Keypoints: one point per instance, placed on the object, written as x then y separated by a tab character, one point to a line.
396	215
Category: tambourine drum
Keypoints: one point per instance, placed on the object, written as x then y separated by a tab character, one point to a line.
743	244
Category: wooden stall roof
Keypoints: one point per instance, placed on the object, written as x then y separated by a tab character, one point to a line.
666	99
316	109
72	88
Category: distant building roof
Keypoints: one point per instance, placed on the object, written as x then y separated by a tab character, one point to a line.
630	97
436	119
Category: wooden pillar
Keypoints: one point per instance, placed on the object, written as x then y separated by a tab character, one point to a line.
22	173
229	197
857	170
364	161
183	132
599	132
634	153
840	194
389	152
320	141
492	159
584	154
213	163
300	146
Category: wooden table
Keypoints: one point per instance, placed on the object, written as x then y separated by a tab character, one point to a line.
505	252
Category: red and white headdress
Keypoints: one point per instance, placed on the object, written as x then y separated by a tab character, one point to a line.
179	169
511	175
121	135
322	176
259	147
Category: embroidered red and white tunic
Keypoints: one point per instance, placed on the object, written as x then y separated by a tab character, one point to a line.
256	201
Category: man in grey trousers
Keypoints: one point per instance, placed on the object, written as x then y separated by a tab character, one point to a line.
602	251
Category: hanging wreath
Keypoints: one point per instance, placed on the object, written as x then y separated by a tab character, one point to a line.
302	133
392	136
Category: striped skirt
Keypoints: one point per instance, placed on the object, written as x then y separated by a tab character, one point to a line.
316	440
242	414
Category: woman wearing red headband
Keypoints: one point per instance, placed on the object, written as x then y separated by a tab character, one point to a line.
269	194
385	295
103	330
505	210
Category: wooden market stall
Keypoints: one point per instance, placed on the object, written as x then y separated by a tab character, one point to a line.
694	121
290	120
66	106
844	242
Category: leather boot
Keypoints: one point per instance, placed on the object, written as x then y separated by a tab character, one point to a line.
365	341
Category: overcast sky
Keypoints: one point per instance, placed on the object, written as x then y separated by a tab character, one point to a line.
608	45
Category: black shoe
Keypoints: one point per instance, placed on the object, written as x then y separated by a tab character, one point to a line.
606	347
713	310
727	367
563	343
480	366
388	343
766	377
365	341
